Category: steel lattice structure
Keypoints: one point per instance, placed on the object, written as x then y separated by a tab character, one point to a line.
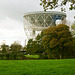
34	22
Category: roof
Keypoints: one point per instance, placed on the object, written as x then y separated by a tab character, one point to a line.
45	12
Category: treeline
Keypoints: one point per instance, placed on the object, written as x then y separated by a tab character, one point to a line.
12	52
55	42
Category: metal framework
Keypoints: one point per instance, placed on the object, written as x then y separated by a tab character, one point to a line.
34	22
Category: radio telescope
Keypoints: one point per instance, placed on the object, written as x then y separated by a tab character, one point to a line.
35	22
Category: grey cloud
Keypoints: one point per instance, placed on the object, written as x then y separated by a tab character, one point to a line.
17	8
11	28
10	24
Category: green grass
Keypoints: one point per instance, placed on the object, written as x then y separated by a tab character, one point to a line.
37	67
32	56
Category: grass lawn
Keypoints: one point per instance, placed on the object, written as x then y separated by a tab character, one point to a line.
32	56
37	67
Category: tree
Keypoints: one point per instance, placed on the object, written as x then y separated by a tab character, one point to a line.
73	29
28	47
15	48
4	52
36	47
56	41
52	4
5	48
72	48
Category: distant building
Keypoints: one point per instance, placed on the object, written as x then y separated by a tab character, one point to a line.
34	22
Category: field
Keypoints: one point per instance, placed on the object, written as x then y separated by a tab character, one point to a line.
32	56
37	67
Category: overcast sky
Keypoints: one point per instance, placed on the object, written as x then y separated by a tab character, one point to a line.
11	18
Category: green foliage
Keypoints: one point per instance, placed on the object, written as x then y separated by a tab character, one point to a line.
35	47
37	67
53	42
57	40
15	47
12	56
29	48
73	29
5	48
72	49
12	52
52	4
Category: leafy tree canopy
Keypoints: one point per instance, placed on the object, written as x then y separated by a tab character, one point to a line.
52	4
57	39
34	47
5	48
15	47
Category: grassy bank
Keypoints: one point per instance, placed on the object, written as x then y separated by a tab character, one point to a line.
37	67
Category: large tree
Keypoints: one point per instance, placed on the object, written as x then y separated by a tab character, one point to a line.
52	4
15	47
35	46
56	41
16	50
5	48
